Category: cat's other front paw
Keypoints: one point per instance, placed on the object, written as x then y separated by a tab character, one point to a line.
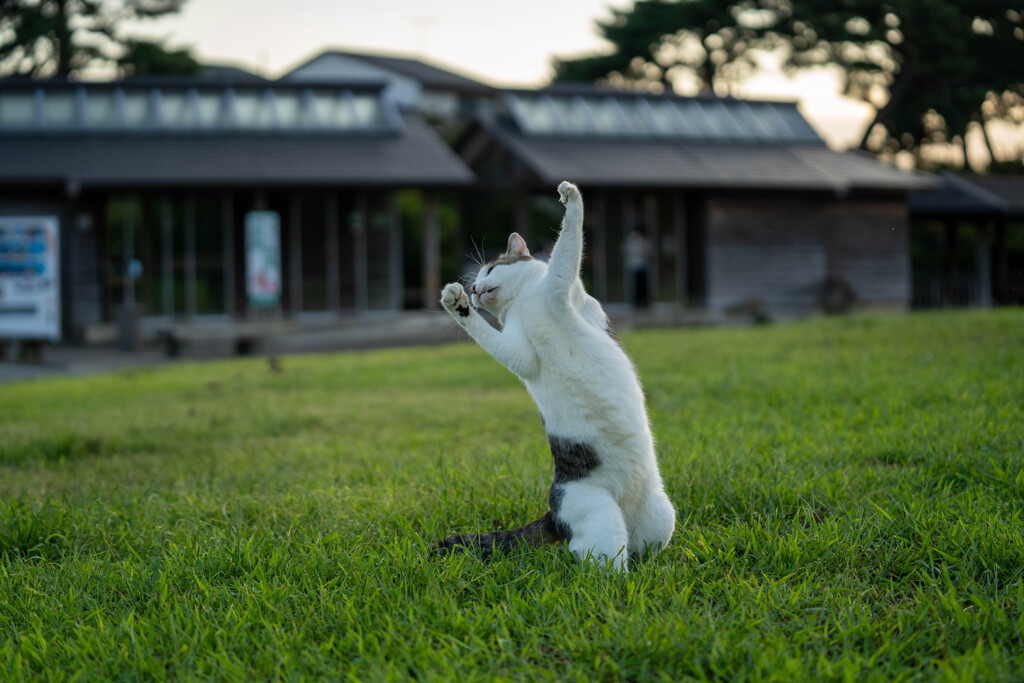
455	300
568	192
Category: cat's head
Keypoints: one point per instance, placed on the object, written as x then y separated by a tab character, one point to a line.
499	281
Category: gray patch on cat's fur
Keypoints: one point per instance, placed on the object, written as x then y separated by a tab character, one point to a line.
544	531
573	460
561	529
507	260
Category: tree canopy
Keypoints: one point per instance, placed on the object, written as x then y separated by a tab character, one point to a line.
930	67
46	38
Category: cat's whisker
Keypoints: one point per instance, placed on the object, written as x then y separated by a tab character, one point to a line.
478	258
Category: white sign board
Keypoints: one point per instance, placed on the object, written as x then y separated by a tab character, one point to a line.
29	277
263	258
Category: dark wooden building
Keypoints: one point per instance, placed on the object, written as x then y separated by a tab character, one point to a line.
745	206
152	181
742	206
968	241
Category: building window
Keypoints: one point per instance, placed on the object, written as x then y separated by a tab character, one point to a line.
253	109
59	109
211	109
17	109
289	109
333	110
137	109
367	109
99	108
175	108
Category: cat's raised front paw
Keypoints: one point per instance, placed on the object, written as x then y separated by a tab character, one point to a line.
567	191
454	299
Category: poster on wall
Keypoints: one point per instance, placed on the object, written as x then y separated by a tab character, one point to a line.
30	277
263	258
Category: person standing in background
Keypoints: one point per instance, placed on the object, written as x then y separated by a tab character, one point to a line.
637	255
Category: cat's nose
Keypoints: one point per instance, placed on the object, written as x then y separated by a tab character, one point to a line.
472	289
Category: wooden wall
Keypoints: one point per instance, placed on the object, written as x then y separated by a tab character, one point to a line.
776	253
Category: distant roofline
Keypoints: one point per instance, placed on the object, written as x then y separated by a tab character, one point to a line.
471	82
969	194
547	157
598	89
24	83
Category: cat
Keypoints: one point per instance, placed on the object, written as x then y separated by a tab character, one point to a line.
607	500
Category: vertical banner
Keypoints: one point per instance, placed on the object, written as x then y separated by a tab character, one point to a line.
30	277
263	258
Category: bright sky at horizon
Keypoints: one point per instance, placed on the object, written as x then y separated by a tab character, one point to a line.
499	43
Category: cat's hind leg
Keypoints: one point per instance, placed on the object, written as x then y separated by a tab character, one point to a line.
590	520
652	524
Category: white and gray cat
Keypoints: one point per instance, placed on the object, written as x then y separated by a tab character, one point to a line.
607	500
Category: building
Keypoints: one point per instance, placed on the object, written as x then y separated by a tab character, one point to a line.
158	185
152	182
746	207
968	241
415	85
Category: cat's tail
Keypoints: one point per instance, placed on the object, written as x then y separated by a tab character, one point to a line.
535	534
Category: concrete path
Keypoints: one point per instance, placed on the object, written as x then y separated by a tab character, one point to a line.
382	330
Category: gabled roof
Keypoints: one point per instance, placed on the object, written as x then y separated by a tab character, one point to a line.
191	132
229	72
413	157
429	75
617	139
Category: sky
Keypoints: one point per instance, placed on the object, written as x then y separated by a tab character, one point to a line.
501	43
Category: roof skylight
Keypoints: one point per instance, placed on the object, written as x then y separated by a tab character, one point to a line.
605	115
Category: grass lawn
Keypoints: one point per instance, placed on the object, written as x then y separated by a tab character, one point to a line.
850	495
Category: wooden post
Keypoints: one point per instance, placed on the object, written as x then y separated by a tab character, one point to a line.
1002	264
128	329
952	264
295	253
598	217
679	228
396	278
332	247
128	242
431	253
361	266
167	255
983	258
628	216
191	304
650	214
227	219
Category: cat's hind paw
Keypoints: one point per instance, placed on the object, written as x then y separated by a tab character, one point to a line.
568	192
455	300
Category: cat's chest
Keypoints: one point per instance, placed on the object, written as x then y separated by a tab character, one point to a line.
567	350
536	325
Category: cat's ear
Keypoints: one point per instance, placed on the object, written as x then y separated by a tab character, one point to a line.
517	246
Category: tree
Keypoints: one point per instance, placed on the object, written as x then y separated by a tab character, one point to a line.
62	37
928	66
704	44
146	58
